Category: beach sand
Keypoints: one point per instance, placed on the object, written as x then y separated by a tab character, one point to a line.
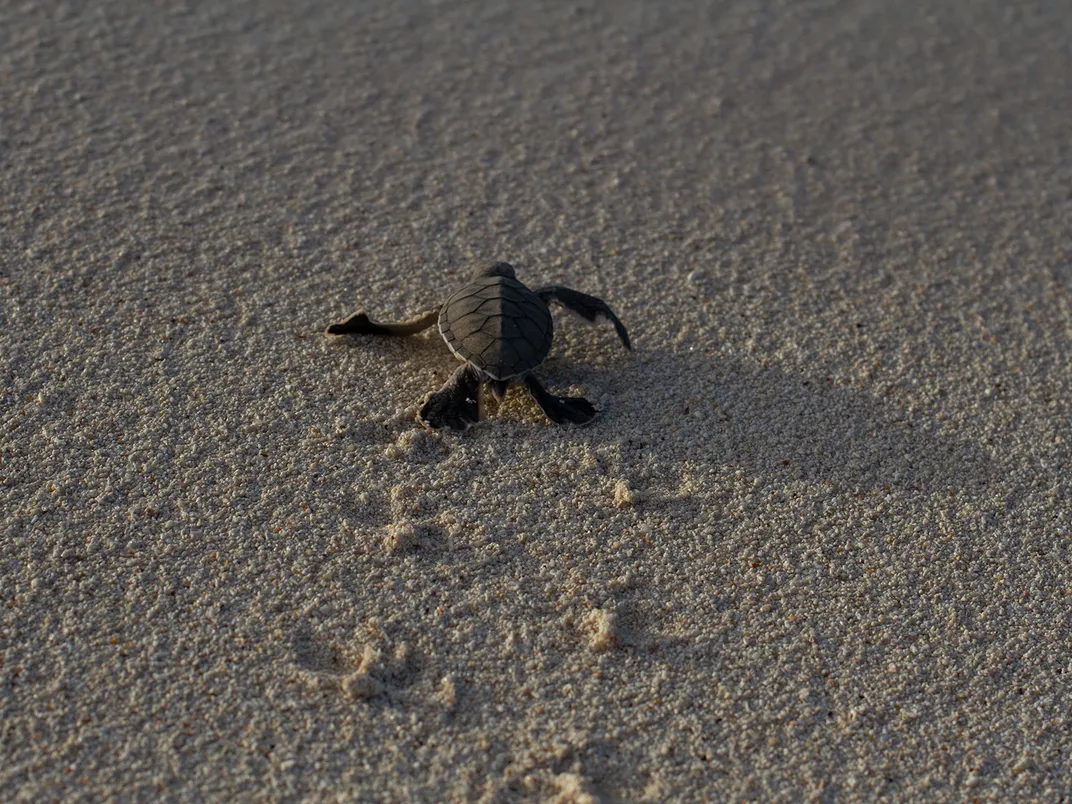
817	544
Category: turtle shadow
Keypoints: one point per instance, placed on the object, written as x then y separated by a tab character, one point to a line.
771	422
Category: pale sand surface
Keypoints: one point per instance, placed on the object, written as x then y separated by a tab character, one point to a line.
816	546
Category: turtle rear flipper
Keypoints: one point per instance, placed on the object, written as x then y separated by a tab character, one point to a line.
458	404
587	307
360	324
499	388
560	409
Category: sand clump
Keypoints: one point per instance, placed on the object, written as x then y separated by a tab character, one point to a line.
624	496
600	628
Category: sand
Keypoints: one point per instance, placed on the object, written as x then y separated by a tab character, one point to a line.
817	545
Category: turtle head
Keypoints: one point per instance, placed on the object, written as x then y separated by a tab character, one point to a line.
495	269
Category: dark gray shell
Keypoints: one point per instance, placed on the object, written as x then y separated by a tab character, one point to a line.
498	325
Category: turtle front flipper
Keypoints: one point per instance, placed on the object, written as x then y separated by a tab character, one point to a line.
587	307
360	324
560	409
458	404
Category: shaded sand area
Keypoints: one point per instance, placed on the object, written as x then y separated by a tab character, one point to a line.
817	545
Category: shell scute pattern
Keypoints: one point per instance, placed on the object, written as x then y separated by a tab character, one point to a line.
468	306
498	325
478	342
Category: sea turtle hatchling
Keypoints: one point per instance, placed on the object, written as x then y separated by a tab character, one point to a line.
501	330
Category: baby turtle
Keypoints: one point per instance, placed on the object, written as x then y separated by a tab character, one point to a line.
501	330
